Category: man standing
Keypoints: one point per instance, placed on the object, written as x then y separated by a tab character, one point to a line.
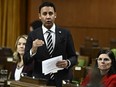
50	41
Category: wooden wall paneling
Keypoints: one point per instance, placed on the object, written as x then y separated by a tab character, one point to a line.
93	18
95	13
32	11
102	35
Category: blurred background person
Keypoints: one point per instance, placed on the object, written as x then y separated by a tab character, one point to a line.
19	68
35	24
104	72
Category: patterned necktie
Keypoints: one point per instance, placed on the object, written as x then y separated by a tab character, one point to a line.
49	43
50	48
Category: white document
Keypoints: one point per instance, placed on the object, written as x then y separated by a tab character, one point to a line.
49	65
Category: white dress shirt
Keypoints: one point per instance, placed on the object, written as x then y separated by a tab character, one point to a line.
44	29
18	72
52	29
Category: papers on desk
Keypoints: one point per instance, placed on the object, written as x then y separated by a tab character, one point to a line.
49	65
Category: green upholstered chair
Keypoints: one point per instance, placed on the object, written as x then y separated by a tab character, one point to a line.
114	51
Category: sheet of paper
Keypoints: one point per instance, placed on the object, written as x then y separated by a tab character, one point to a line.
49	65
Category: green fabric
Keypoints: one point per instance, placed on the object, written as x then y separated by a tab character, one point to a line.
81	62
75	82
114	51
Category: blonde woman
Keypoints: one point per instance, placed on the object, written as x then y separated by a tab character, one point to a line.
19	67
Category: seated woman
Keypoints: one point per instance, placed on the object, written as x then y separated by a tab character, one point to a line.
104	72
19	68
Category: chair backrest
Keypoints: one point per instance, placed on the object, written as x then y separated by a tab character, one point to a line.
79	73
114	51
113	43
79	70
91	42
90	52
4	54
83	60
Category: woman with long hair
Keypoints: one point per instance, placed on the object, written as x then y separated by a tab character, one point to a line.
19	68
104	72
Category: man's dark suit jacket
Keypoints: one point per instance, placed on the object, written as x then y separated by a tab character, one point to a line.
63	46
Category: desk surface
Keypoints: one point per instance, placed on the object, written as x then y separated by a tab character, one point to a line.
25	84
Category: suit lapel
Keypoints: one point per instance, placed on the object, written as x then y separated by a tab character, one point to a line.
58	37
41	37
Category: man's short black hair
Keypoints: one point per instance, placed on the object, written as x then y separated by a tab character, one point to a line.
48	4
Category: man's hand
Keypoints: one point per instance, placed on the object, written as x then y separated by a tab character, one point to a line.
36	43
62	64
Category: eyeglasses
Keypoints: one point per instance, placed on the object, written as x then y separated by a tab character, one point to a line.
103	59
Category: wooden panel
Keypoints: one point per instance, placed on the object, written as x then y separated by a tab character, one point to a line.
84	18
102	35
32	11
81	12
94	13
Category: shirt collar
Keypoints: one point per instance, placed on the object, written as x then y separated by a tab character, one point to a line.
45	29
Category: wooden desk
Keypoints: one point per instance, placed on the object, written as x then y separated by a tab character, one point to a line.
34	81
25	84
29	82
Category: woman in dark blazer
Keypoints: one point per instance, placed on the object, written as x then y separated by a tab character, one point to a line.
19	68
